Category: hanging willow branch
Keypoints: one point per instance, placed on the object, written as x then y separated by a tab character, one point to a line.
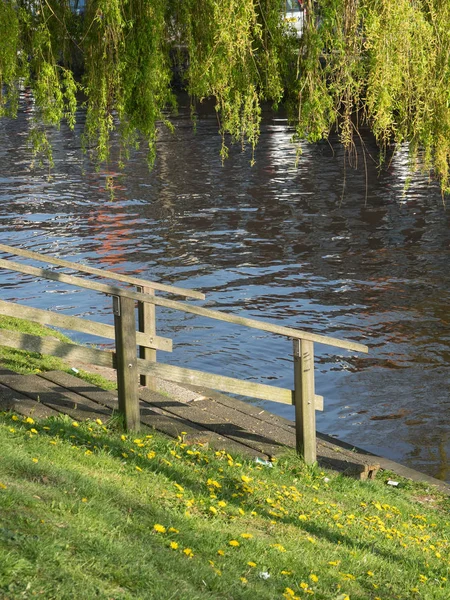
375	63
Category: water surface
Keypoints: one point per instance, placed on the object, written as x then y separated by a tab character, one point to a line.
278	242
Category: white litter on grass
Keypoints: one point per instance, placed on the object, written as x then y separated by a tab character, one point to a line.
264	575
74	370
394	483
265	463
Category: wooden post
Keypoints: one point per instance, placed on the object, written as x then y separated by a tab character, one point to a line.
305	415
126	361
147	324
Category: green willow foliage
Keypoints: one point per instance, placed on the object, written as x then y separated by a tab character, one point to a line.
378	63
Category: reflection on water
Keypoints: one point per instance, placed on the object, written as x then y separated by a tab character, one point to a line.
275	242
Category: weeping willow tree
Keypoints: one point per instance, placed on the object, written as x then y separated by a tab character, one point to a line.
381	64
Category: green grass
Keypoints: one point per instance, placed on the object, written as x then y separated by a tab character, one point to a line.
33	362
79	504
88	512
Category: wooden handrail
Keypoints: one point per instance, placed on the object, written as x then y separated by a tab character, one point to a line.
103	273
189	308
46	317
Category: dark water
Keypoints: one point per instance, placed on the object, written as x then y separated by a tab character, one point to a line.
276	242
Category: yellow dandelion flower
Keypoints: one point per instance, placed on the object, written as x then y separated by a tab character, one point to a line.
53	443
14	417
423	578
35	460
29	420
246	536
99	421
159	528
33	430
173	530
188	552
3	486
174	545
304	585
370	573
314	578
246	479
244	580
312	540
75	424
278	547
213	510
220	552
221	503
213	483
302	517
289	592
251	563
286	572
84	499
151	454
334	563
234	543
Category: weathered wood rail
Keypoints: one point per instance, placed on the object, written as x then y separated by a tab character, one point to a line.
125	360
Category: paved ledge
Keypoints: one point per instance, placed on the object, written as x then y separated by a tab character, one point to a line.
203	415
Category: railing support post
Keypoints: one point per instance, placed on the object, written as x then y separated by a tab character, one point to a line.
147	324
305	413
126	361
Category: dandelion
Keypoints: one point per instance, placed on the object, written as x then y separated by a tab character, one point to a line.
233	543
53	443
244	580
138	468
33	430
173	530
251	563
188	552
314	578
15	418
75	424
304	585
289	592
99	421
302	517
220	552
246	479
278	547
222	503
213	510
370	573
84	499
151	454
29	420
174	545
246	536
3	486
35	460
159	528
286	572
213	483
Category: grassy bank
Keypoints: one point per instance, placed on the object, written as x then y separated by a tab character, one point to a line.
33	362
89	512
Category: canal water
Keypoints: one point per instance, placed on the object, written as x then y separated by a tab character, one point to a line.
354	253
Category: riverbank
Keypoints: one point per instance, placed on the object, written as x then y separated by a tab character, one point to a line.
88	511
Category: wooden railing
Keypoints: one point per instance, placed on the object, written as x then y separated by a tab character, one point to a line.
125	359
